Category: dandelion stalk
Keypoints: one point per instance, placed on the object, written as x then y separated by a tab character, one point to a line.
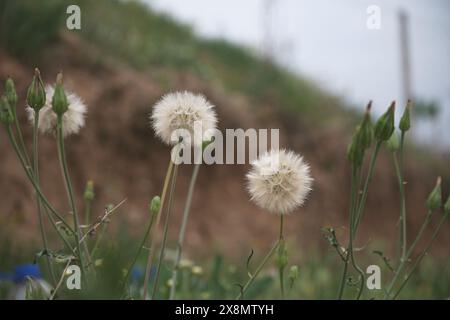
38	199
258	270
362	203
183	230
30	175
282	256
401	185
404	260
165	231
151	251
69	188
141	246
423	254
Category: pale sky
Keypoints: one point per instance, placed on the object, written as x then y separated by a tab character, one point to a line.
328	41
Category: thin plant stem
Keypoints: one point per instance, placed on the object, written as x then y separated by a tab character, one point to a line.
165	231
362	203
422	255
262	264
69	189
20	135
403	261
98	240
38	199
400	176
60	281
353	200
281	268
141	246
30	175
183	230
352	226
158	218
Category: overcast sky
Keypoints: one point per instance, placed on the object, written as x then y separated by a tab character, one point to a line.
329	42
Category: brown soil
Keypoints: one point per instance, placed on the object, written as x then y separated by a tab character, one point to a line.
118	150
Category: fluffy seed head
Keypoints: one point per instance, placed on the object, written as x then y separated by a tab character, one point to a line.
73	118
180	111
279	181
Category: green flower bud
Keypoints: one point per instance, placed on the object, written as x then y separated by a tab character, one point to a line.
393	144
385	124
366	129
355	154
282	258
447	206
6	114
434	200
155	205
405	121
89	193
293	273
59	100
36	92
10	92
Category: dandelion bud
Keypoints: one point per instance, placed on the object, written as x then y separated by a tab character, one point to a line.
385	124
393	144
155	205
10	92
405	122
355	153
6	115
282	258
447	206
366	129
434	200
36	92
293	273
89	191
59	100
197	270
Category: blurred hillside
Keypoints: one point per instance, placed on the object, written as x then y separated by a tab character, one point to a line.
121	62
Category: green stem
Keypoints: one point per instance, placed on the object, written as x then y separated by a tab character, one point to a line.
138	253
38	199
423	254
183	230
354	187
400	176
30	175
403	261
165	231
262	264
19	133
362	204
281	267
69	189
98	240
352	227
158	218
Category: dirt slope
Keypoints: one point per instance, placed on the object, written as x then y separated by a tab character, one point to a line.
117	149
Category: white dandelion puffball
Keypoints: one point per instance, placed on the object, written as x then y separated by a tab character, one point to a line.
279	181
73	118
182	111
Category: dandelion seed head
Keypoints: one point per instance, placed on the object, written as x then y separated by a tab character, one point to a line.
73	118
279	181
180	111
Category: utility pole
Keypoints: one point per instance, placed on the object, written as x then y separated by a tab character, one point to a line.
405	57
